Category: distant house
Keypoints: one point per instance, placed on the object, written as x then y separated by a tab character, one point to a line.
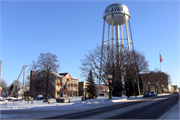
103	89
61	85
82	88
174	88
71	83
84	85
20	91
3	92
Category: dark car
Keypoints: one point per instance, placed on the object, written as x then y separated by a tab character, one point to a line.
153	94
101	94
148	94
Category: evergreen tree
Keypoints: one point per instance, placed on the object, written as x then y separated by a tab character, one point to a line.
91	89
15	92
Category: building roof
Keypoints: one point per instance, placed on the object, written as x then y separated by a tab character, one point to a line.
73	77
56	74
63	74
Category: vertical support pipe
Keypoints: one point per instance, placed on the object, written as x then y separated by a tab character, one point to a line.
118	45
101	57
122	44
112	41
127	33
108	43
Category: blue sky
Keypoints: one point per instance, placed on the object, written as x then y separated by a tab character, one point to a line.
69	29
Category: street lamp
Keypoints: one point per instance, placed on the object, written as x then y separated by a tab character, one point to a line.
162	88
149	86
110	86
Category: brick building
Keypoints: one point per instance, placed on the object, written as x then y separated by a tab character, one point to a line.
72	85
103	89
56	86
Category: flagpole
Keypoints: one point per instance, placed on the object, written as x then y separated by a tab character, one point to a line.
159	61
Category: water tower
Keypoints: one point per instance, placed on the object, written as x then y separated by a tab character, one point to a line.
117	35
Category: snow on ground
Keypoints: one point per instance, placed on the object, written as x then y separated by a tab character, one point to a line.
75	103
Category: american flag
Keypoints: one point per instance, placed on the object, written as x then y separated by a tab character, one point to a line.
160	58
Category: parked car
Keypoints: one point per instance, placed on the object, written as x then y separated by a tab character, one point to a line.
101	94
39	97
153	94
148	94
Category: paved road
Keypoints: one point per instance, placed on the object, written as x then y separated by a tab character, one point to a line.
150	108
152	111
130	109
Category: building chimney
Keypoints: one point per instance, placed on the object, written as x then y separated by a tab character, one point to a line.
31	75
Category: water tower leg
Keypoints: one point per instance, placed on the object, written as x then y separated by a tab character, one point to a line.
133	51
127	33
101	56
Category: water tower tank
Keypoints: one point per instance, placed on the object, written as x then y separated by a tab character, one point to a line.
119	12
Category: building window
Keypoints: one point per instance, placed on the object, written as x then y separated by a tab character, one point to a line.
58	83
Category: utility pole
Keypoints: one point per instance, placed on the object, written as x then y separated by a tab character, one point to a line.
23	80
16	83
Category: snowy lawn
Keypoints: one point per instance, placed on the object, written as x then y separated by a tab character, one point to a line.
7	105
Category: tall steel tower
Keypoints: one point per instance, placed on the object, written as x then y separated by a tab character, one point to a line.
118	34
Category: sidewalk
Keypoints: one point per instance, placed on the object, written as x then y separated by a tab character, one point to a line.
173	113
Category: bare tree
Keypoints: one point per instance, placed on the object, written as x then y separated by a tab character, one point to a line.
4	85
112	65
18	83
27	81
158	79
43	68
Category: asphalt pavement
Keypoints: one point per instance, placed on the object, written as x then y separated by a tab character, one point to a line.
149	108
